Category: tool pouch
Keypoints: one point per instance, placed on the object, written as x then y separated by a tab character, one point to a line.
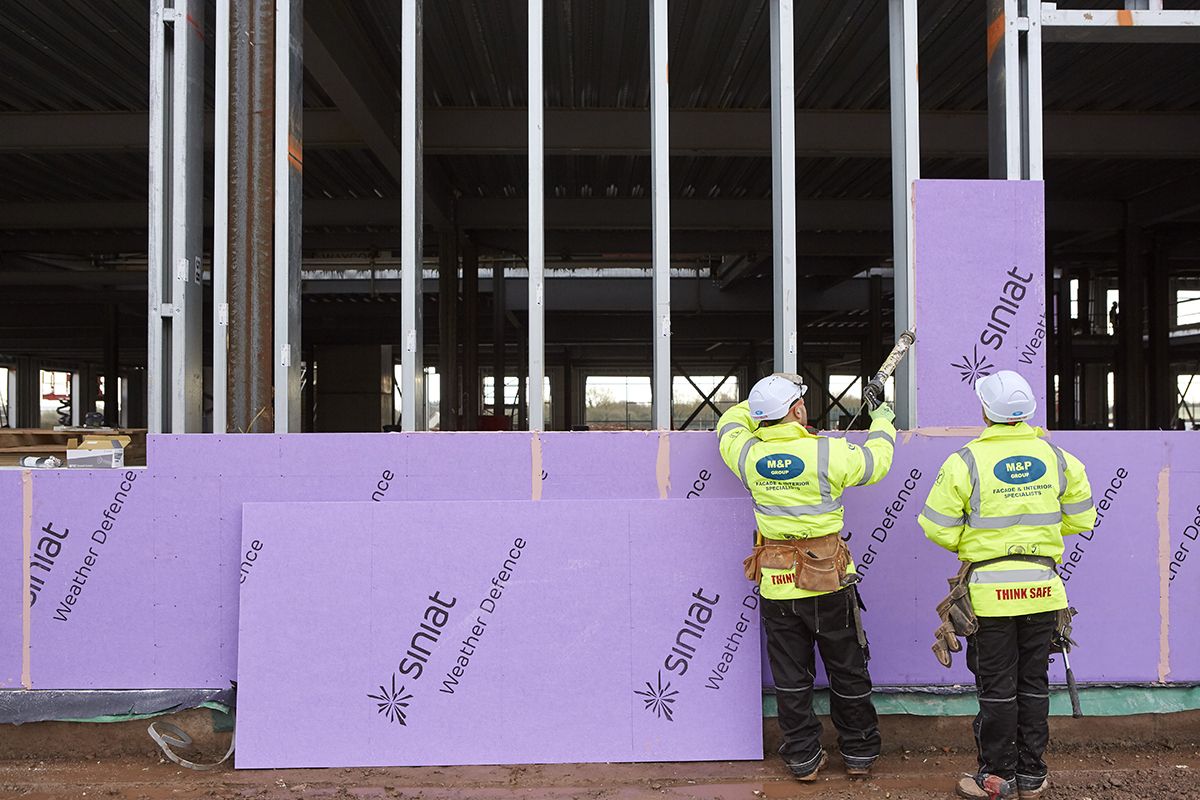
819	564
957	617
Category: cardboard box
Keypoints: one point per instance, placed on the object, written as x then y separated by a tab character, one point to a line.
97	451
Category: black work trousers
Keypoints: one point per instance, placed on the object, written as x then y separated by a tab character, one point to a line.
1010	658
793	627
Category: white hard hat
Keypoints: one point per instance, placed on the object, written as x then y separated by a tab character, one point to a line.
1006	397
772	397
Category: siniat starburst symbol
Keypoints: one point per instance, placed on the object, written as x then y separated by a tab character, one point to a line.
659	701
392	704
973	367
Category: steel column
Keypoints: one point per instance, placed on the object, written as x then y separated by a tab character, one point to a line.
783	183
660	192
537	222
251	101
1163	387
448	329
13	390
470	366
112	356
1004	96
289	206
1014	57
1031	90
1049	304
906	168
220	247
1130	380
29	394
498	332
175	296
1064	332
412	366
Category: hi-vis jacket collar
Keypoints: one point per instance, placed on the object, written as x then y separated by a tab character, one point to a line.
1022	430
783	432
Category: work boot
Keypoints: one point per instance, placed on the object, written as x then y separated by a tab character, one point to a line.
1029	787
986	787
858	766
807	770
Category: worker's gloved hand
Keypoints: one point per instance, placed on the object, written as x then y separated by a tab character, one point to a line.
874	393
883	411
791	376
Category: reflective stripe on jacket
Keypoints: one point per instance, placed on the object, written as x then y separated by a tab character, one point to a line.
1010	491
796	479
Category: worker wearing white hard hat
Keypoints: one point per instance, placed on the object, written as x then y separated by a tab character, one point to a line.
1002	504
804	571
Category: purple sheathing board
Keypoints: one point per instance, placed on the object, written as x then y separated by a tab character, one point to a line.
601	465
550	651
1180	559
180	541
12	596
97	620
1111	573
978	279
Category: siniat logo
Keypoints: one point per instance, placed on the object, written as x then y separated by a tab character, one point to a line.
1005	311
780	466
973	367
659	699
998	325
392	703
1020	469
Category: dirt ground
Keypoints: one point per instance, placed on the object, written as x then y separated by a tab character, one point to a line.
1103	761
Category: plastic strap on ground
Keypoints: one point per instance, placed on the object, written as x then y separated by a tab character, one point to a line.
18	706
166	735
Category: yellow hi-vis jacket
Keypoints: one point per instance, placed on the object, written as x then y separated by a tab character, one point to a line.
1010	492
796	480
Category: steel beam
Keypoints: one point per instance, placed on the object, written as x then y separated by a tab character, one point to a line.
536	259
783	183
700	215
1141	25
175	295
906	168
412	367
660	192
622	131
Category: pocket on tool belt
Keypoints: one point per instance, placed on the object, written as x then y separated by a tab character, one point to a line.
820	575
778	557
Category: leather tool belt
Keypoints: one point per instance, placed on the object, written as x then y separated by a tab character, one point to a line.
818	564
956	612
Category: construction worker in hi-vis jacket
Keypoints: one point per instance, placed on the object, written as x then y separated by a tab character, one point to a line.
805	574
1002	504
